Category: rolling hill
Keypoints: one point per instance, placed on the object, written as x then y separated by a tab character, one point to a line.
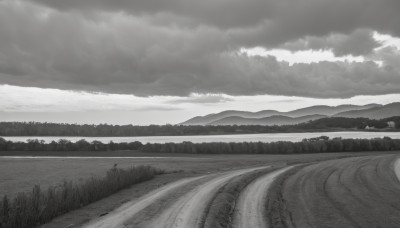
204	120
272	120
273	117
328	110
385	111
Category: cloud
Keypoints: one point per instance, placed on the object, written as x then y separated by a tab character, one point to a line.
221	13
254	22
202	99
177	48
360	42
31	99
292	20
310	17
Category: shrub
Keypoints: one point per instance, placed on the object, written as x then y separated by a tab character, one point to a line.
38	207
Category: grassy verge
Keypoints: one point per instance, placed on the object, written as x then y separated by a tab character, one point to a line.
38	207
220	211
277	214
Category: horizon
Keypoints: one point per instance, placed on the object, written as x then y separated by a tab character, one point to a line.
179	123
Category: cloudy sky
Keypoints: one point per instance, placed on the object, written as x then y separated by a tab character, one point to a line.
163	61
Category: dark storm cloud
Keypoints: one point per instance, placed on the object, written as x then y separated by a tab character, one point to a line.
296	19
90	45
220	13
260	22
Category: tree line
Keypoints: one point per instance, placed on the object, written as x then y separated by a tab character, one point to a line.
66	145
55	129
321	144
40	206
315	145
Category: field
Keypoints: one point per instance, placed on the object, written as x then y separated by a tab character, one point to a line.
355	189
356	192
21	174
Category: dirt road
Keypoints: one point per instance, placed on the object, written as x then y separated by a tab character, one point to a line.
187	211
250	207
346	192
396	167
119	216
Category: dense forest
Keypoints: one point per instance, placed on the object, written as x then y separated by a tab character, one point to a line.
54	129
314	145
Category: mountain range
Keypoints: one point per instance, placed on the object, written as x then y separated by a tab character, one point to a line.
273	117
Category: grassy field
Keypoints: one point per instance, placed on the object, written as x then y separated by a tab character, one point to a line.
21	174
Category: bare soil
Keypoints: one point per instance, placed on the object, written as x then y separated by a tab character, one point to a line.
250	209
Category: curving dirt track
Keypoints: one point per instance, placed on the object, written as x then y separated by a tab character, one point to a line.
396	166
119	216
348	192
188	210
351	192
185	209
250	207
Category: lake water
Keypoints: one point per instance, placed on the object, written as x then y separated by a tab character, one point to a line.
270	137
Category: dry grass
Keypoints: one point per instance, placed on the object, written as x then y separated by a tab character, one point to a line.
41	206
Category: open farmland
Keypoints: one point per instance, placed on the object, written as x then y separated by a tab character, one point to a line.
317	190
21	174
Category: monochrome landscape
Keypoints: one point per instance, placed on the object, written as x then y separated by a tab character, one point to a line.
199	114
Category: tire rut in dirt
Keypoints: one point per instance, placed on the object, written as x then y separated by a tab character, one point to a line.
351	192
189	210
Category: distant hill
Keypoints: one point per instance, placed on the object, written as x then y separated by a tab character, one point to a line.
381	112
204	120
102	130
272	120
328	110
232	117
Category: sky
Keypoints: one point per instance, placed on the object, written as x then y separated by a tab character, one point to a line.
164	61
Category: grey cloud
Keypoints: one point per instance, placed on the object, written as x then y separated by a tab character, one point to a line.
299	19
220	13
203	99
132	55
259	22
358	43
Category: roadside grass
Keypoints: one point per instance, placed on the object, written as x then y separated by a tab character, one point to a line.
219	213
38	207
